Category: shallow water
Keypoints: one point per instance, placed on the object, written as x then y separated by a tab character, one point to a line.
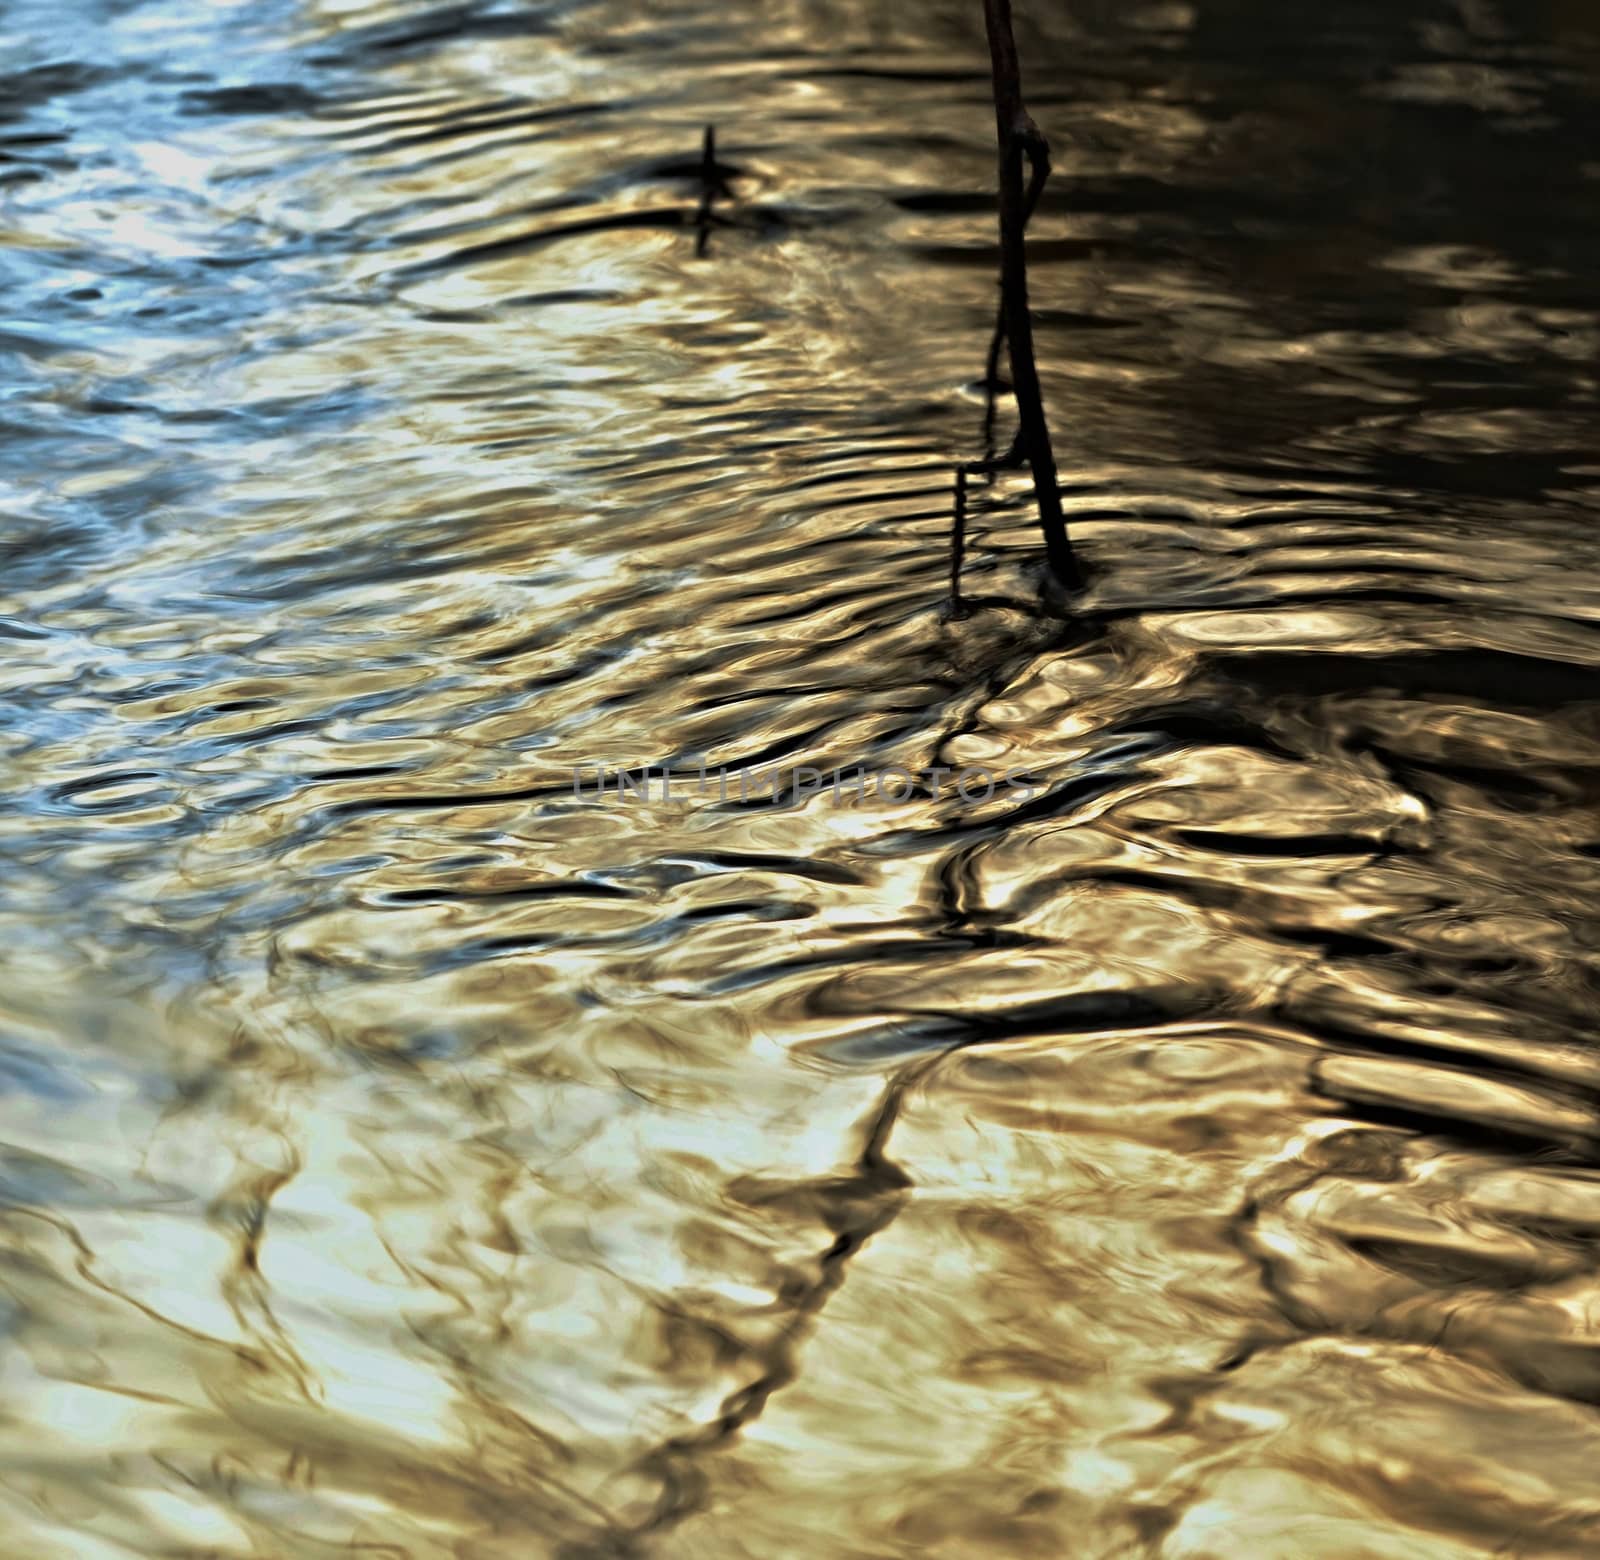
408	1152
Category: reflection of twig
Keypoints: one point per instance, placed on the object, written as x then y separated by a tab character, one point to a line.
852	1208
1018	137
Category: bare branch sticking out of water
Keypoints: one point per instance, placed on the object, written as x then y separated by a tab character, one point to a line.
1019	140
712	184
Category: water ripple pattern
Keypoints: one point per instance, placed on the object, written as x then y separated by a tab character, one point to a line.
408	1151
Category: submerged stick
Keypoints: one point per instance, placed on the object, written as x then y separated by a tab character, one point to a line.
1019	137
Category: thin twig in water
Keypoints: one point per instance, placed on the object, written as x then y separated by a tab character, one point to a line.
712	184
1019	139
958	542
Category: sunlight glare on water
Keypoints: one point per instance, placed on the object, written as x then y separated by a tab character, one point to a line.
408	1147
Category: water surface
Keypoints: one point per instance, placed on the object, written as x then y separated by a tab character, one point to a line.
405	1155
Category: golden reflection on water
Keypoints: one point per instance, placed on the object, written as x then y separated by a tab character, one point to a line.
406	1153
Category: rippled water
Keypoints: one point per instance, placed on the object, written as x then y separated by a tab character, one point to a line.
405	1155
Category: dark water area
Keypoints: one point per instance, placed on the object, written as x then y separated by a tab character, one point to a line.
408	1151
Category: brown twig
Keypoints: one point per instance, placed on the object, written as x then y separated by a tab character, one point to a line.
958	544
1020	138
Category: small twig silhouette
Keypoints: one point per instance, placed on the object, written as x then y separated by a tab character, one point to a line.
1019	139
712	185
958	542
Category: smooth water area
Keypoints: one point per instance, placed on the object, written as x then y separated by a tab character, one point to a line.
407	1153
